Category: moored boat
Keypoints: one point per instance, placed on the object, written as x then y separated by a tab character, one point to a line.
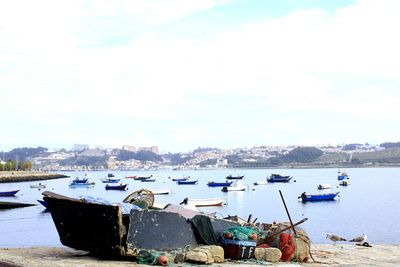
149	180
40	186
261	182
207	202
110	175
80	181
110	180
13	205
116	187
87	184
185	182
231	177
180	179
324	186
277	178
342	176
8	193
318	197
235	186
218	184
163	191
345	182
131	176
140	178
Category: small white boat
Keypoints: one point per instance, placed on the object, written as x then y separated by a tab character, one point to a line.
261	182
164	191
235	186
206	202
324	186
38	186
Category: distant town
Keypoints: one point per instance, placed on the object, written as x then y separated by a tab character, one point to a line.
129	157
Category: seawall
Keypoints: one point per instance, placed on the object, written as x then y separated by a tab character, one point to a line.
25	176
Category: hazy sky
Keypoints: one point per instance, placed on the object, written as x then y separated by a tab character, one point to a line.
181	74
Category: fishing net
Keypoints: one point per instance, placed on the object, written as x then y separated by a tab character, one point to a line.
242	232
145	257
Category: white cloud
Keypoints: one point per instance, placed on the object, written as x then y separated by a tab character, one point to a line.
344	62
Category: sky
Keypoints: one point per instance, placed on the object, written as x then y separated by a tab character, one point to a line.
202	73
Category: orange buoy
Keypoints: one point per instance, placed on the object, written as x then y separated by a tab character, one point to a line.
162	260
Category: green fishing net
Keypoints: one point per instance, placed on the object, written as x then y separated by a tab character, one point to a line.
242	232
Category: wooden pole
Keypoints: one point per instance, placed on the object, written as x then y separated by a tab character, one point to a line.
287	211
286	228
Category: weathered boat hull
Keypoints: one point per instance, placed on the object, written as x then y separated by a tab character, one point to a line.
104	231
97	228
158	229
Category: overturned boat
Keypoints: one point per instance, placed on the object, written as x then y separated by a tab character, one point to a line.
115	230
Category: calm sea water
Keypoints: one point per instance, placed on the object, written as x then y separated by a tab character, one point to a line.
369	205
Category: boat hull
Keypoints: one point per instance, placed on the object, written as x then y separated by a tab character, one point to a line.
166	191
187	182
318	197
276	178
216	184
116	187
206	202
93	227
230	177
8	193
13	205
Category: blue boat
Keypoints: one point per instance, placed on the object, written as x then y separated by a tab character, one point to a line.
117	187
230	177
8	193
318	197
277	178
110	180
44	203
110	175
149	180
80	181
342	176
217	184
187	182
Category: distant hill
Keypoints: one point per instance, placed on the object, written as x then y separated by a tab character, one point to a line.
24	153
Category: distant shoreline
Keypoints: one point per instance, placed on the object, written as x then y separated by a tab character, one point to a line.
26	176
